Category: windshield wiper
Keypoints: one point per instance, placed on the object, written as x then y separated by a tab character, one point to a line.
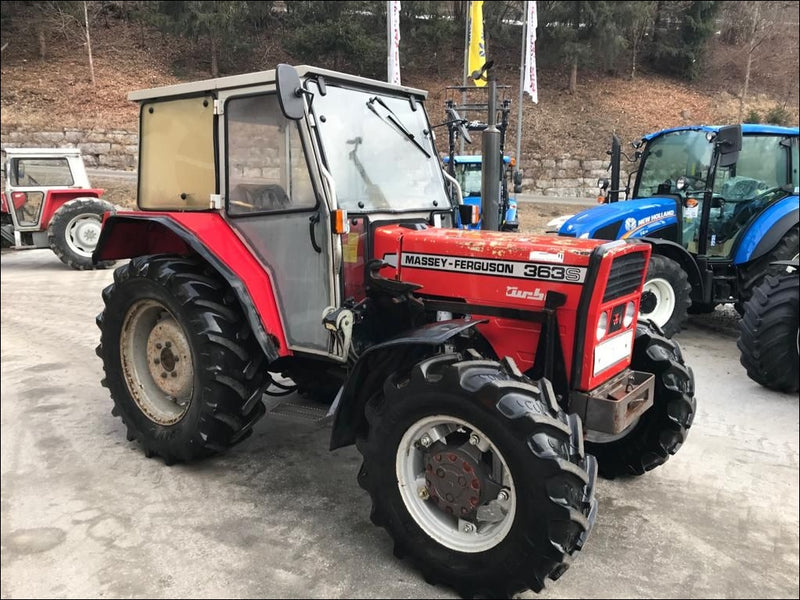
392	118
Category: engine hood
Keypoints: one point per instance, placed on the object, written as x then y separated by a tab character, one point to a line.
627	218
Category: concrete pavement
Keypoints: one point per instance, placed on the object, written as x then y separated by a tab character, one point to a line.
85	514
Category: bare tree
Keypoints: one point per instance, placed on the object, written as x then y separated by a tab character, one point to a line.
754	26
73	20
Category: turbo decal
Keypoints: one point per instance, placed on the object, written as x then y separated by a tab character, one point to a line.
501	268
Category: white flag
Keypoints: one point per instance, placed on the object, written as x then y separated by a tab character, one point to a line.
529	84
393	15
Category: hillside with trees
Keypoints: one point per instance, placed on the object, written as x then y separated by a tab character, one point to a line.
627	67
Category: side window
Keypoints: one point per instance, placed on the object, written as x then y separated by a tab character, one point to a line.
267	170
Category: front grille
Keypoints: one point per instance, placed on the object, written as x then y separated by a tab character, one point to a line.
625	276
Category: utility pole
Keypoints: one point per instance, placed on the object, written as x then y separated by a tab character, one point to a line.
490	183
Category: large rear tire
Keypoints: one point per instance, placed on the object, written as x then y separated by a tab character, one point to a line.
769	333
666	295
478	476
752	274
185	372
74	231
660	432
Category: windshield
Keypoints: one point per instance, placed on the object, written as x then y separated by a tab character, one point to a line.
670	156
378	150
468	176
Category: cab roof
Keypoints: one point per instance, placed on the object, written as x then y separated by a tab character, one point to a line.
752	128
247	80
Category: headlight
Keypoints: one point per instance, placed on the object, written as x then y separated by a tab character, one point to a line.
630	312
681	183
602	326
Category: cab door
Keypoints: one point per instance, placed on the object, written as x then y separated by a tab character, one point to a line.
273	200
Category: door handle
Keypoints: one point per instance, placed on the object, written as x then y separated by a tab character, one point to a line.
313	220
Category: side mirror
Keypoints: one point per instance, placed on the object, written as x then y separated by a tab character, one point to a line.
469	214
290	92
729	144
517	182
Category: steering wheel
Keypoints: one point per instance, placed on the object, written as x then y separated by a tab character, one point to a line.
693	182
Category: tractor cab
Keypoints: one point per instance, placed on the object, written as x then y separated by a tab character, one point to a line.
715	197
718	205
30	173
468	172
47	201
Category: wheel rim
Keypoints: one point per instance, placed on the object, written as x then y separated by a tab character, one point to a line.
658	301
157	362
432	495
82	233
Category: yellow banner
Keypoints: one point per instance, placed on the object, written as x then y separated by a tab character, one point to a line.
477	44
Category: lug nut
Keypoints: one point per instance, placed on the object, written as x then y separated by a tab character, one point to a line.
163	374
425	440
423	493
474	439
469	528
157	361
158	345
502	496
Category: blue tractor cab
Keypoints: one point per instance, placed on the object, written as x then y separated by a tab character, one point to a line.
718	204
467	170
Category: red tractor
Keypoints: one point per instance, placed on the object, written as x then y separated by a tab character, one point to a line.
295	224
47	201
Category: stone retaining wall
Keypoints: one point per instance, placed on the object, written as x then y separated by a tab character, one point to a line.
563	176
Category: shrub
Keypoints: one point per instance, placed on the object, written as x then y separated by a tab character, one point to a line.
778	115
752	116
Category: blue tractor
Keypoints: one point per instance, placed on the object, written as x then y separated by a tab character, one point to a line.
718	204
467	170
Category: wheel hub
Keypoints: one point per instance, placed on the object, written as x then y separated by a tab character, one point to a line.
168	359
648	302
455	478
83	233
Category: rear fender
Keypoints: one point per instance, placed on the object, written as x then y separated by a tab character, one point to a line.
208	236
55	199
765	232
376	364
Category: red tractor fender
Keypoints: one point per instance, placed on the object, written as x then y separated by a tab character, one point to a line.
55	199
209	236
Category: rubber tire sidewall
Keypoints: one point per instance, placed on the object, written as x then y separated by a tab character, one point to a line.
529	473
661	267
166	439
768	344
662	429
57	231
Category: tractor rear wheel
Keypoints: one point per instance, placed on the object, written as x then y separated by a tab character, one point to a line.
751	274
769	335
660	432
183	368
478	476
74	230
666	295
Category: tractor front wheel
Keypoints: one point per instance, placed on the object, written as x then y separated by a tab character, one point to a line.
665	296
769	337
185	373
660	431
478	476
